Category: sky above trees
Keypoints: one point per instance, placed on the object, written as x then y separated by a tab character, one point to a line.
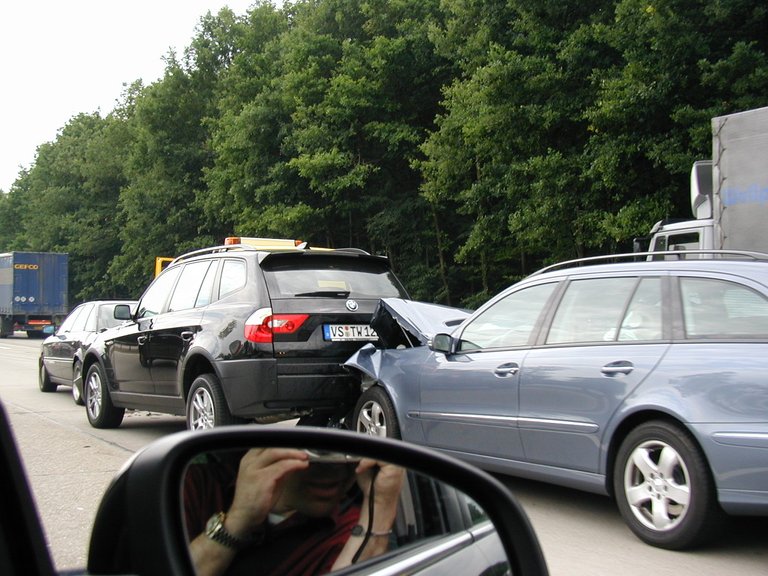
64	58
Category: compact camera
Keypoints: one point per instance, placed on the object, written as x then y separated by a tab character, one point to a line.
327	457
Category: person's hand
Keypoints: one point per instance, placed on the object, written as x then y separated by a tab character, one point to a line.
387	484
260	479
386	488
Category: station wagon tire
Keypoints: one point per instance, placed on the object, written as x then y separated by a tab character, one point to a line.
375	414
44	380
98	404
77	393
664	489
206	405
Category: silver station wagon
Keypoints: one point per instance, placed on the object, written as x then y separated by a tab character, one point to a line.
643	380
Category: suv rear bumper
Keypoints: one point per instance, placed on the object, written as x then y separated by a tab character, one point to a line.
264	387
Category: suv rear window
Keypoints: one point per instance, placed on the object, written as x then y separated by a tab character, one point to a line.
324	276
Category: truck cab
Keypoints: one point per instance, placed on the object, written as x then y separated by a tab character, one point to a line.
686	234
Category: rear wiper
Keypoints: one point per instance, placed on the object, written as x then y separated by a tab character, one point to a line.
328	293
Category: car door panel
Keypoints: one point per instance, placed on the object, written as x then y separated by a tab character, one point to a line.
568	395
469	402
171	335
604	339
126	353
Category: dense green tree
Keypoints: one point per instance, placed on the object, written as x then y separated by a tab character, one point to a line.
69	201
470	140
162	206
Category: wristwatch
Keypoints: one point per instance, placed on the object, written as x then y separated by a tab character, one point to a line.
215	530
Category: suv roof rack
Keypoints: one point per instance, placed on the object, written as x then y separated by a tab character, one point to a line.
655	257
263	248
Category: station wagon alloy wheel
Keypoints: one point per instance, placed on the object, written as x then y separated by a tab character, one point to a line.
375	415
663	487
657	483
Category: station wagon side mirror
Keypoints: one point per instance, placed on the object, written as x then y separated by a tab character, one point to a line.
442	343
122	312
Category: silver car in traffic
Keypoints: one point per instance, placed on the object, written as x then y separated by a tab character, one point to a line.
643	380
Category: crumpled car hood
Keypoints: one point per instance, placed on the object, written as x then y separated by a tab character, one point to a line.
408	323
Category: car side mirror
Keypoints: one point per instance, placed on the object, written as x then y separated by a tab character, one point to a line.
122	312
442	343
349	501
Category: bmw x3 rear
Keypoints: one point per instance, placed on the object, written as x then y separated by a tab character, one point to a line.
236	334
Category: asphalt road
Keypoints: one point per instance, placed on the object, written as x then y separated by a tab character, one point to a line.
70	465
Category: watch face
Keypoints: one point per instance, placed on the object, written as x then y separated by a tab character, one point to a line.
214	525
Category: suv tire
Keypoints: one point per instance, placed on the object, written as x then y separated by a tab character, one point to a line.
98	404
669	500
206	405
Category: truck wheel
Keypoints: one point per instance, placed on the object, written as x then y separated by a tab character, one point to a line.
44	380
98	404
663	487
375	415
206	405
77	391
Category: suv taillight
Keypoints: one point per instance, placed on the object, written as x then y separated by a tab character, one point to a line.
263	325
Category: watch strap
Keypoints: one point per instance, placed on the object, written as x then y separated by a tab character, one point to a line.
216	531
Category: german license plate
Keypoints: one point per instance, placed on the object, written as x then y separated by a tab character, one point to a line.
347	332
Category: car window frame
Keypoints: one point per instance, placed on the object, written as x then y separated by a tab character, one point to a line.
541	321
184	284
219	292
70	320
678	306
638	279
89	324
171	272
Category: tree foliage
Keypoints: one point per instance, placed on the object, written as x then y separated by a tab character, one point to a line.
469	140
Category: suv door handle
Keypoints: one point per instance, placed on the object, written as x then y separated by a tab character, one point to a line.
620	367
187	336
507	369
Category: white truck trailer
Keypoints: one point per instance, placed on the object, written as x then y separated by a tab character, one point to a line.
729	194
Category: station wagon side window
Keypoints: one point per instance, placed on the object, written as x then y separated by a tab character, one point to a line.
189	286
233	277
642	320
714	308
608	309
510	321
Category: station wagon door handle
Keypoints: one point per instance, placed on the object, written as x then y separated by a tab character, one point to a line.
187	336
507	369
621	367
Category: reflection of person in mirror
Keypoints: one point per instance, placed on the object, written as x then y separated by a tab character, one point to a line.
281	511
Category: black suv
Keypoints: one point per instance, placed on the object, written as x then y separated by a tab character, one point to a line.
235	333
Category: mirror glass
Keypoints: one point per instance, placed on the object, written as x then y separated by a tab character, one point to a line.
306	511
